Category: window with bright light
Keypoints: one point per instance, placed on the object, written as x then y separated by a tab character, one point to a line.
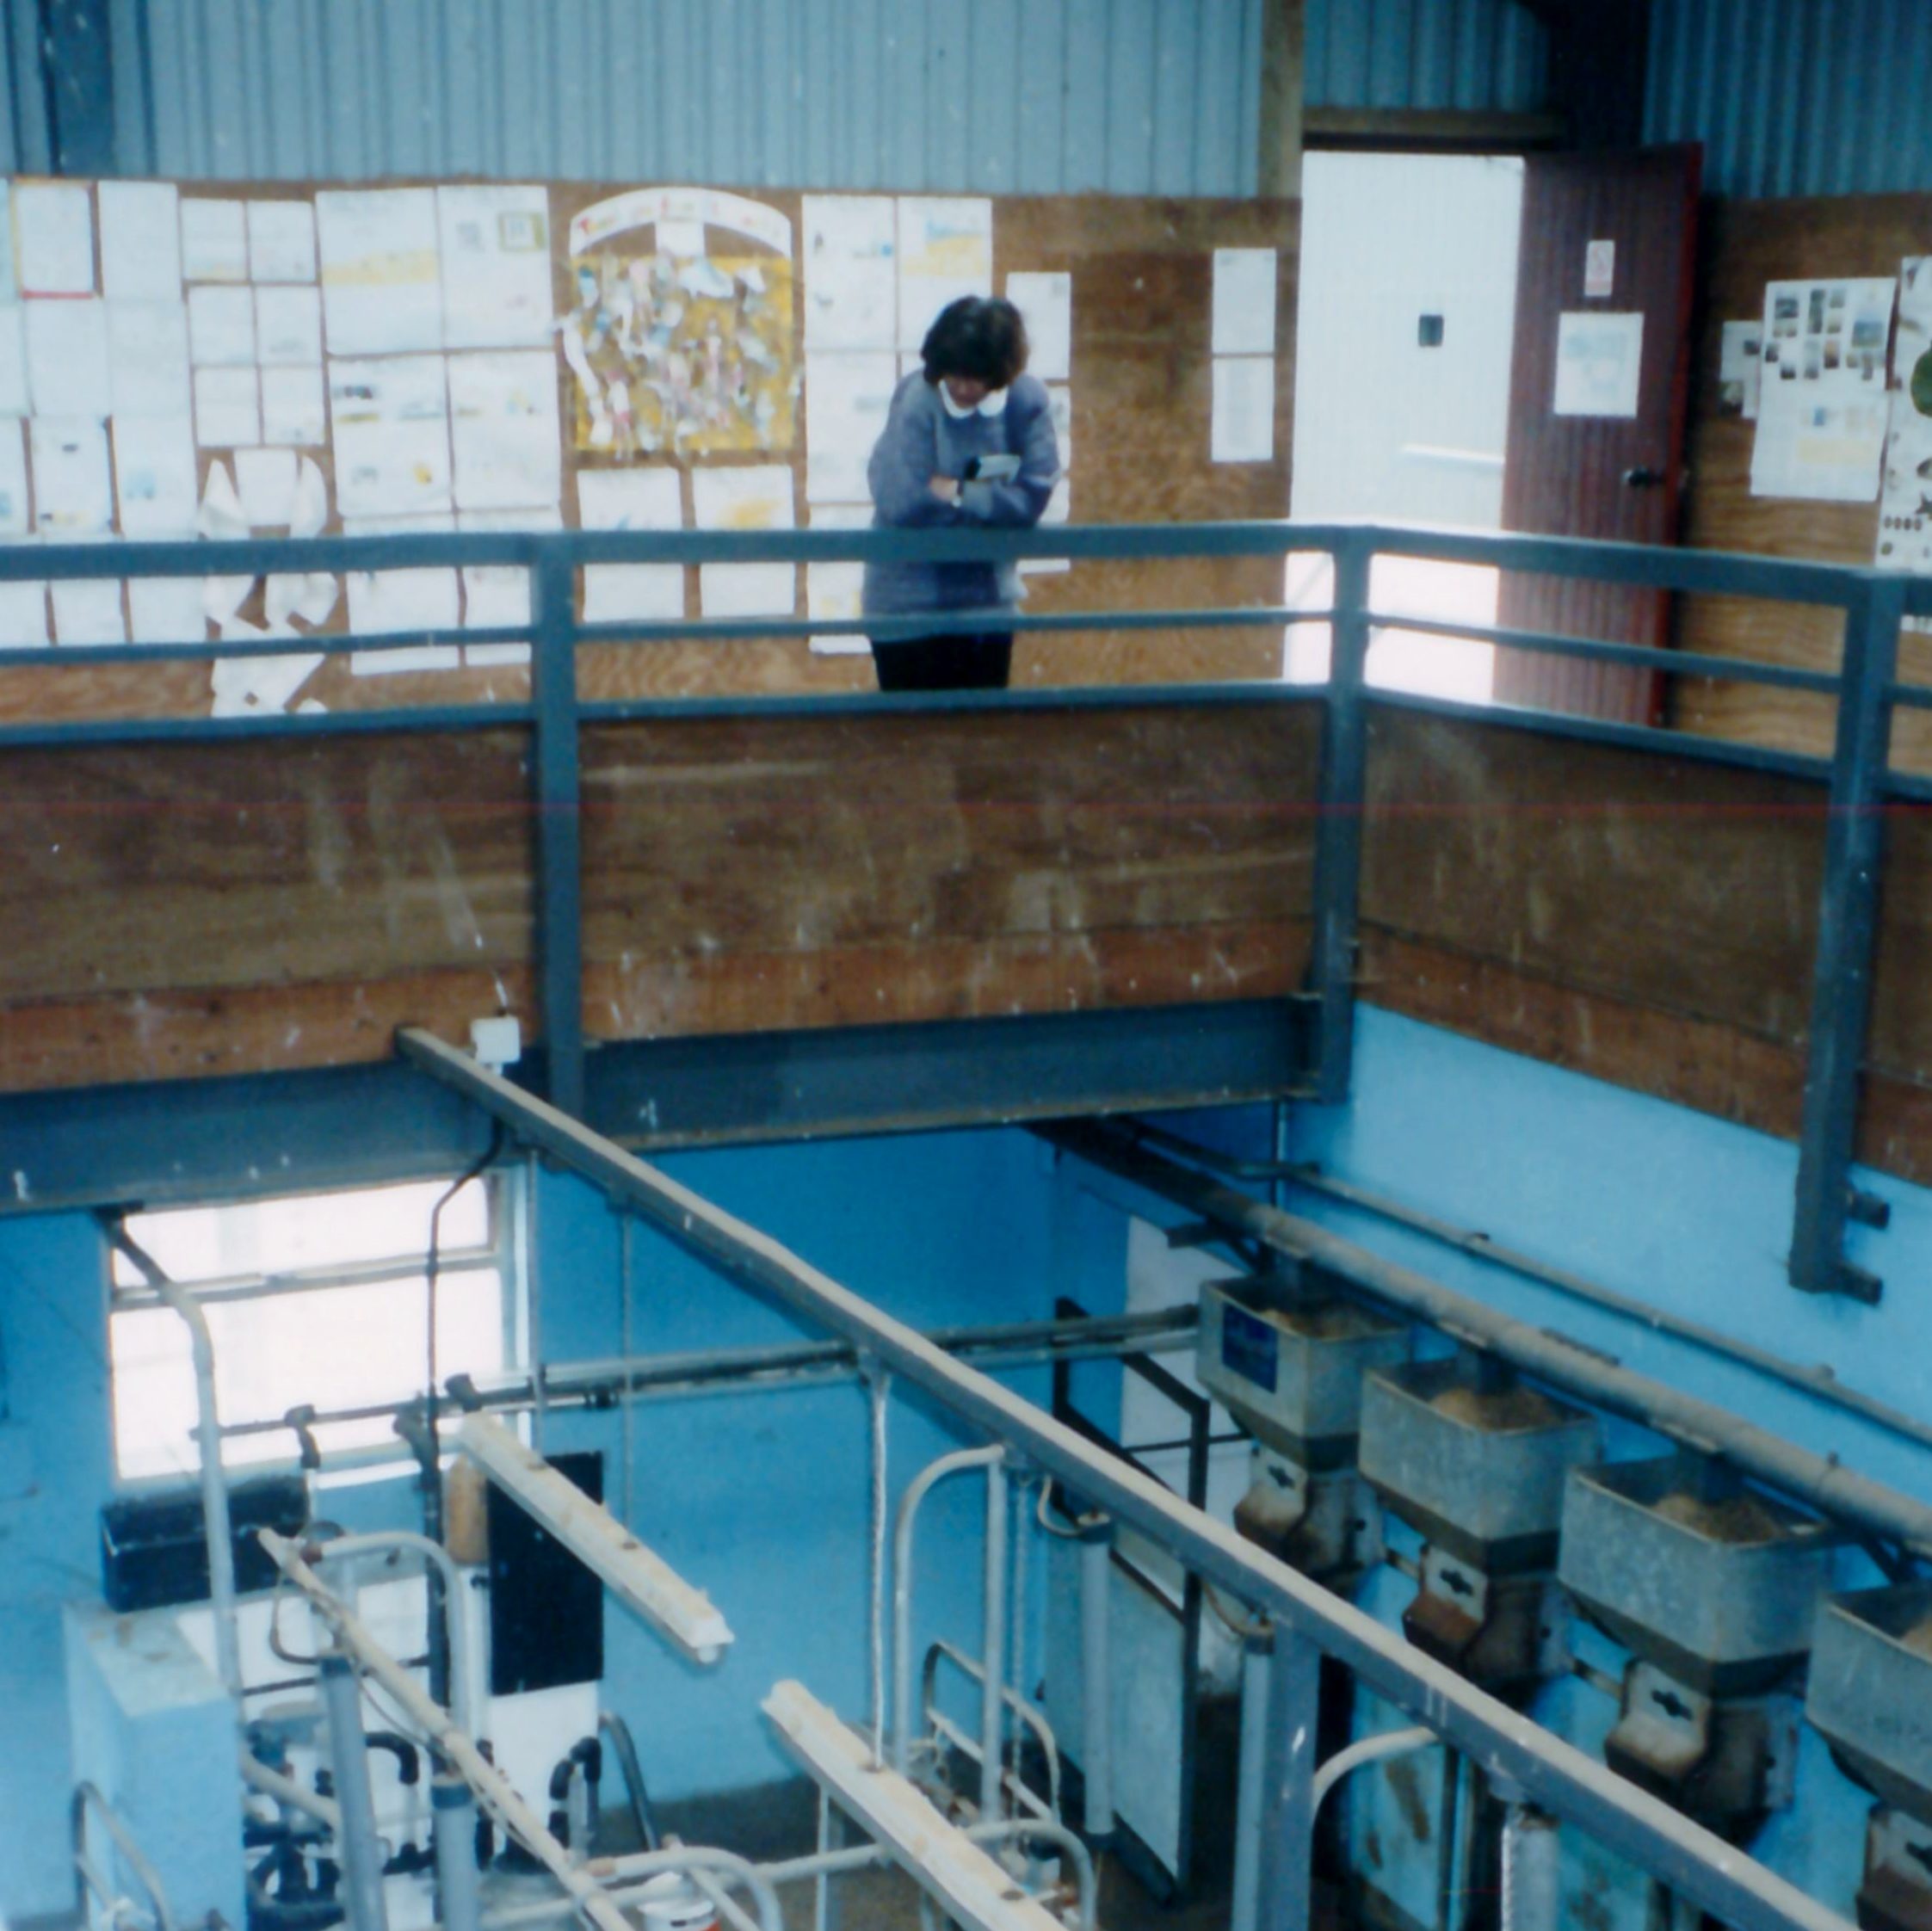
319	1299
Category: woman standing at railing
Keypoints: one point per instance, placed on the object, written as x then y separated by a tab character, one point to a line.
969	444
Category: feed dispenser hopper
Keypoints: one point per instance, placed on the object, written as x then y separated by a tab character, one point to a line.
1474	1460
1288	1361
1870	1697
1713	1587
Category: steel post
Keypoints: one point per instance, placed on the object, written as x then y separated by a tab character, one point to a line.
560	939
1847	930
358	1847
1284	1872
1338	827
1256	1652
992	1696
1096	1677
453	1817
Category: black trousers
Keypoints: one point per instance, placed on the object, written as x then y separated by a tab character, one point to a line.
981	661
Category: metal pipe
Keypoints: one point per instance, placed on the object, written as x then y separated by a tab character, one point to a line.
1824	1482
685	1859
342	1548
992	1699
1369	1749
916	1493
945	1731
494	1790
453	1816
878	1391
87	1798
358	1848
1816	1381
286	1790
1034	1717
1629	1821
217	1529
1096	1678
1529	1871
1256	1653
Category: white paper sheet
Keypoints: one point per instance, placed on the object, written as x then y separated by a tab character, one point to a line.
140	241
505	435
72	494
293	408
246	687
496	266
265	481
281	241
946	250
308	512
1599	359
1740	369
15	518
1242	429
214	241
750	589
1905	536
851	280
497	596
13	400
67	358
227	410
290	595
836	590
1823	408
392	436
1244	320
630	499
398	600
221	326
23	615
220	520
381	284
744	499
87	610
1045	304
154	475
165	610
847	400
287	326
147	358
53	238
9	287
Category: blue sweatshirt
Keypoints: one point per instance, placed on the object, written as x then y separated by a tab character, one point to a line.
922	440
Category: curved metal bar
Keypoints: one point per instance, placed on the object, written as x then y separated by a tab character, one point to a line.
342	1548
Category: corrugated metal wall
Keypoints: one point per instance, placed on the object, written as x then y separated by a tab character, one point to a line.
1424	54
1135	97
1796	96
1014	97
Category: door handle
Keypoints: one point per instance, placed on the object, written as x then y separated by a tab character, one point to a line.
1642	478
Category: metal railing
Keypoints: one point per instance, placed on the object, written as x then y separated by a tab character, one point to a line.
1859	778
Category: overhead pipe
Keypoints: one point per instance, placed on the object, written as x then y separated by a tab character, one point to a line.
1823	1482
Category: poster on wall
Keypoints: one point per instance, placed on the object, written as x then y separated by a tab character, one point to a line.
681	336
1821	416
1905	538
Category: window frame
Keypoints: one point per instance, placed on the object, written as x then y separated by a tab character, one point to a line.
504	1250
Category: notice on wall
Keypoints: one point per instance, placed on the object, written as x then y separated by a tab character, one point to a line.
1046	306
381	275
497	596
1905	538
1822	409
630	499
227	408
946	250
13	481
67	372
848	397
851	271
214	241
1740	369
154	475
293	407
494	245
1242	429
1599	359
744	499
835	592
402	599
287	327
504	430
280	240
53	238
392	436
1243	313
221	326
147	358
140	241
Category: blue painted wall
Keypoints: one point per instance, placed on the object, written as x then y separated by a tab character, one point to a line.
763	1500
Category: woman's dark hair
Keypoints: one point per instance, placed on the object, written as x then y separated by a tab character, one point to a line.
978	337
